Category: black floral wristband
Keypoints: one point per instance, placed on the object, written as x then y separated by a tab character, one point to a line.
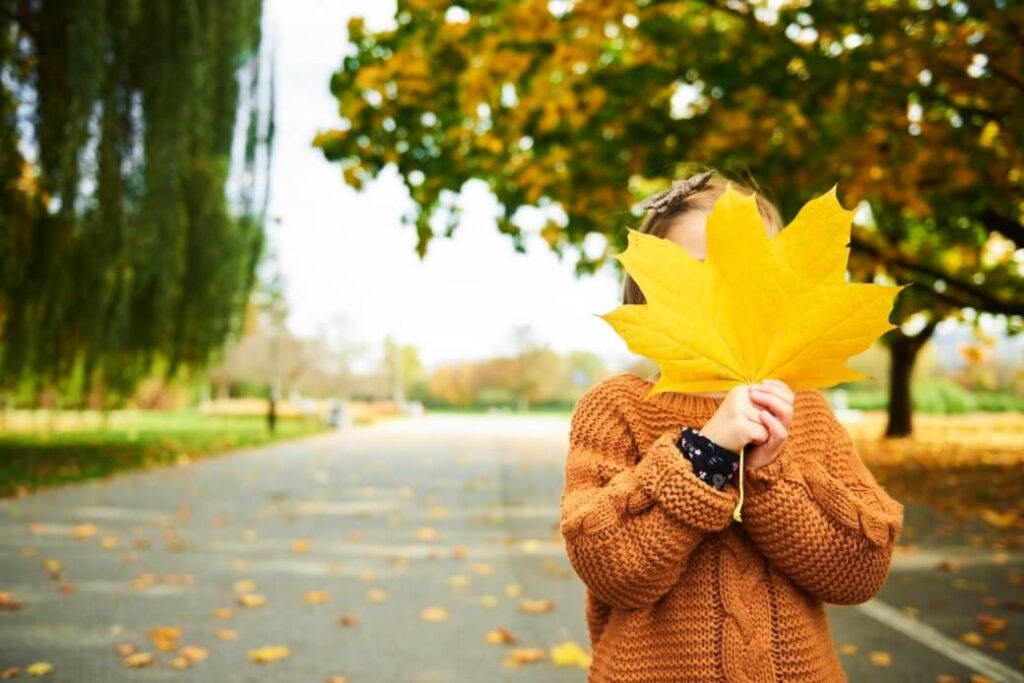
712	463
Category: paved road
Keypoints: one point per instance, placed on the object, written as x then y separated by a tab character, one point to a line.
377	524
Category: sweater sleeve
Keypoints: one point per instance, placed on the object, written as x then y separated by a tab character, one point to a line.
631	520
818	514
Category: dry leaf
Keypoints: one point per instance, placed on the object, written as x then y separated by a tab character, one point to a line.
39	669
8	602
1003	520
881	658
138	660
84	530
536	606
522	656
434	614
269	653
501	636
570	653
317	597
990	624
179	662
972	638
165	638
251	600
194	653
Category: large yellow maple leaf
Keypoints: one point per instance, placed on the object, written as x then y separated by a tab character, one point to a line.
756	307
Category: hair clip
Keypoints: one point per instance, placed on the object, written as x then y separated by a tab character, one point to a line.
661	201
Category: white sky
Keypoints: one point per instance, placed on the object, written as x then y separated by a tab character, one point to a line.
345	255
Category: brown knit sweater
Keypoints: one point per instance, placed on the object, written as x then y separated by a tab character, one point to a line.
676	590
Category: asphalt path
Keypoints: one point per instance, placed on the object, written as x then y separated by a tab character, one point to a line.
389	553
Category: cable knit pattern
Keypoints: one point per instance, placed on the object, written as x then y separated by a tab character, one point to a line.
818	490
676	590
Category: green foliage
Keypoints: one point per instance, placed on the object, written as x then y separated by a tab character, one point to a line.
128	237
593	105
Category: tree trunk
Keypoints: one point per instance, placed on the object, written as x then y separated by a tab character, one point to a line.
272	410
903	352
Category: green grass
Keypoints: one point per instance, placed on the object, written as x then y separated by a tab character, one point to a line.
939	396
33	456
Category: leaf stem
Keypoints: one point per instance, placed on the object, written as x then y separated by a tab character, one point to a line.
739	504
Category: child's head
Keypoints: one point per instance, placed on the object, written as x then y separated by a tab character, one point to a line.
685	222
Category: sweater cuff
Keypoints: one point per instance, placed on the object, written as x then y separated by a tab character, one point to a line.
765	478
668	478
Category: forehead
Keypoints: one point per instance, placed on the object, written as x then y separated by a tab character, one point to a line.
690	221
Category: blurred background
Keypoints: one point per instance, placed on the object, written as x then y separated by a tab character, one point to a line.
361	246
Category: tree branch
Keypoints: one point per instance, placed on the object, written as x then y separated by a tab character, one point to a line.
891	256
1006	226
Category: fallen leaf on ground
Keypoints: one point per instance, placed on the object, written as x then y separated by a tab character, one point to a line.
434	614
251	600
165	638
536	606
501	636
269	653
39	669
138	660
972	638
317	597
881	658
522	656
570	653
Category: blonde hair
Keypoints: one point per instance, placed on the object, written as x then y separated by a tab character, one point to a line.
657	223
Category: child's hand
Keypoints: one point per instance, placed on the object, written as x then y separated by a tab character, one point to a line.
774	398
736	422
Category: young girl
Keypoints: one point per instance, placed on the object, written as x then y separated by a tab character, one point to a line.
676	591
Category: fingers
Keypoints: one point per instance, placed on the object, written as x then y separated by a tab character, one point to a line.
775	427
780	408
776	387
757	433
